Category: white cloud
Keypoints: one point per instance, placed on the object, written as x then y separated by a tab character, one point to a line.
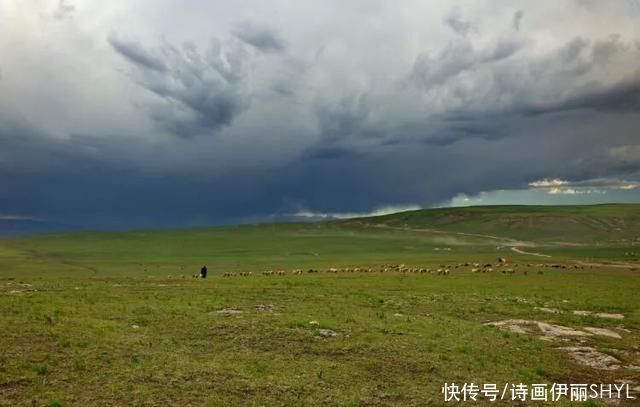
545	183
558	186
347	215
574	191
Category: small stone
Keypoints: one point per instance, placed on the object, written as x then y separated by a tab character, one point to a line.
327	333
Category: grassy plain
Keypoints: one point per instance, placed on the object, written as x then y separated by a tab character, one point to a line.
116	318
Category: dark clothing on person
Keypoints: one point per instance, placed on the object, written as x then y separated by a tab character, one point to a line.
203	272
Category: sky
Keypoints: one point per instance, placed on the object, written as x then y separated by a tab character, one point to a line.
170	113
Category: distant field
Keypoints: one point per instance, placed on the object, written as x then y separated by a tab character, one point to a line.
116	318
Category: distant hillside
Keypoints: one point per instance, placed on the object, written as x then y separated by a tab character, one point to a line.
580	223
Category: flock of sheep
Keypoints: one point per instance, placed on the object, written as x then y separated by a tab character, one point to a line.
443	270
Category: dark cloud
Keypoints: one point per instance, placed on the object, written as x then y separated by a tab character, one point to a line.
457	58
623	96
458	24
517	19
136	54
202	91
262	37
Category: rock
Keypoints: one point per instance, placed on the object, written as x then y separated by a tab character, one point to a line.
314	322
327	333
603	332
599	314
135	326
554	331
549	332
399	315
588	356
609	316
548	310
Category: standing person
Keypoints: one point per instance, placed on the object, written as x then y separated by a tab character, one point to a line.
203	272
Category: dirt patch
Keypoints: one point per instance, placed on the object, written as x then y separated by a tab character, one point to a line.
588	356
15	383
12	288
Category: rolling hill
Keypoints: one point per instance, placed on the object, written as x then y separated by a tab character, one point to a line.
609	223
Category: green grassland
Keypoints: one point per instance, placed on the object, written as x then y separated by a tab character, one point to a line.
116	318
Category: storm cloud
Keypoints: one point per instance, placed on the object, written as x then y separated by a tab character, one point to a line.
118	116
261	37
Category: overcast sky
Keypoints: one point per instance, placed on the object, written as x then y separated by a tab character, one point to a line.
132	113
